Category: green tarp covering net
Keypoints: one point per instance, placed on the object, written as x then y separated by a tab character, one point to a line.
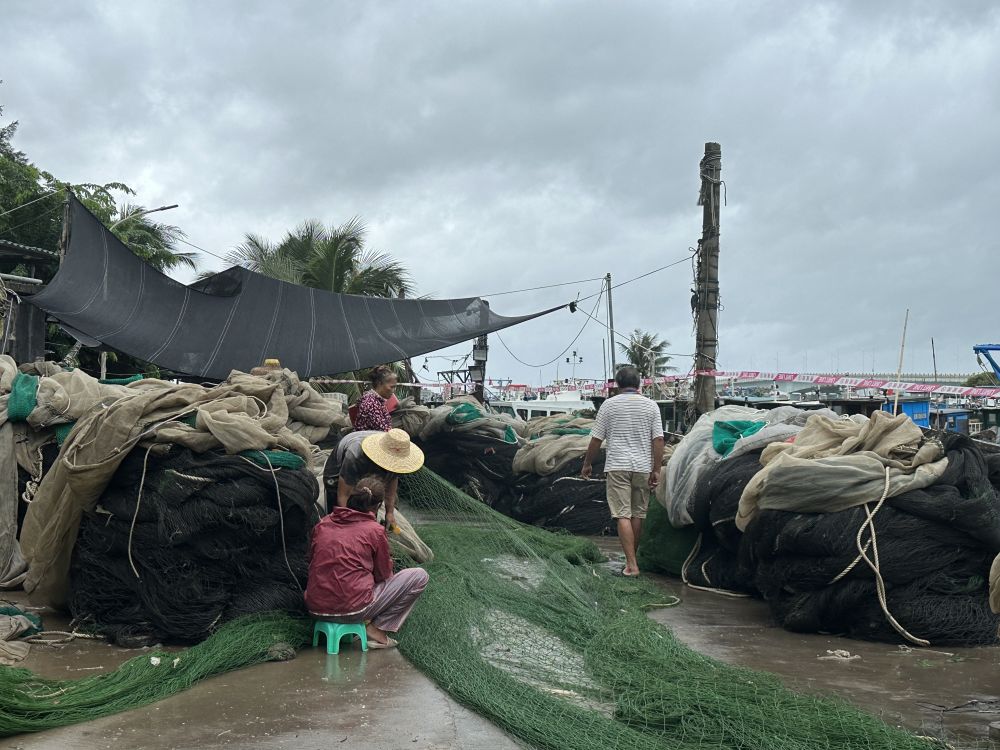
22	400
465	413
123	381
725	434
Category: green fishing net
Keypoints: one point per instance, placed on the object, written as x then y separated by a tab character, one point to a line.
529	629
29	703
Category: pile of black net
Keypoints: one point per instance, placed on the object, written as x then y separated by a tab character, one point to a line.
935	547
206	544
483	468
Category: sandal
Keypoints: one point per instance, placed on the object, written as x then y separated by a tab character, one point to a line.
389	643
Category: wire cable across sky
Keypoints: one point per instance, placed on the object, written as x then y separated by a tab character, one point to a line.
568	347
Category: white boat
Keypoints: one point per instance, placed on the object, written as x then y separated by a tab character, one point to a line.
562	402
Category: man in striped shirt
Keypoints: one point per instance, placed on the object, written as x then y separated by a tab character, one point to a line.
631	425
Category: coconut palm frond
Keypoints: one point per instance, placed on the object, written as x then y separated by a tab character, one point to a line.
645	352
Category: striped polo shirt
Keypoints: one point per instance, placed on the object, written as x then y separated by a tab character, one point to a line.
628	423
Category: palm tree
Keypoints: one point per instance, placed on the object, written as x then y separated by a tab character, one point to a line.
334	260
152	241
645	352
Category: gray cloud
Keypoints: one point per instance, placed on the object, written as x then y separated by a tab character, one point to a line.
500	146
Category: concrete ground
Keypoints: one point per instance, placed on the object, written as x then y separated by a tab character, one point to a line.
353	699
379	701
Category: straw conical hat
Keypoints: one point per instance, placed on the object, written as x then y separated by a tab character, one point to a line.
393	451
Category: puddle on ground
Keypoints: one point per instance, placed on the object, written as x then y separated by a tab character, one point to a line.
535	657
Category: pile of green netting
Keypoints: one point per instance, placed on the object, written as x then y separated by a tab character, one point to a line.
525	627
29	703
528	629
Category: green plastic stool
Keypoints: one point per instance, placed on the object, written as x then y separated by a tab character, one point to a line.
334	631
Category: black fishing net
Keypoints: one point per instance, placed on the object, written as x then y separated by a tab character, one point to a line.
935	547
716	562
205	543
483	468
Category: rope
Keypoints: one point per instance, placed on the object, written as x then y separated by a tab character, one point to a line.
281	520
135	516
684	575
873	563
54	638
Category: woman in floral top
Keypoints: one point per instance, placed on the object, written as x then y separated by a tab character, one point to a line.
373	411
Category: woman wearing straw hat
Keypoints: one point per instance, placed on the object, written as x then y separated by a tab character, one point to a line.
368	453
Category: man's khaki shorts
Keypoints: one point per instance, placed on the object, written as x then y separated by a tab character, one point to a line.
628	493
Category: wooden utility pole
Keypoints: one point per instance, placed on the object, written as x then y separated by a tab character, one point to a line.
611	327
67	217
707	284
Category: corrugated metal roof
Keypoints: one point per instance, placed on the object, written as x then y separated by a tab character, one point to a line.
9	248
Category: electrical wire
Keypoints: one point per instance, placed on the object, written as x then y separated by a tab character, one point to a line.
642	276
547	286
25	205
207	252
628	339
568	347
40	216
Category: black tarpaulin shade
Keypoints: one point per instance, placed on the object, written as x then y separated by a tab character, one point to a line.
236	319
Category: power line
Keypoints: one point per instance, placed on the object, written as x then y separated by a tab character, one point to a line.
642	276
208	252
629	339
547	286
25	205
568	347
40	216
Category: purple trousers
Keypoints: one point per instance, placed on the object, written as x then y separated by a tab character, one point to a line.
394	599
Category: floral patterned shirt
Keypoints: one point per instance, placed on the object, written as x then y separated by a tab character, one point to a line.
372	413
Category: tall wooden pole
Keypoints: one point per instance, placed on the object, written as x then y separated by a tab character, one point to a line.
707	284
611	328
64	236
899	370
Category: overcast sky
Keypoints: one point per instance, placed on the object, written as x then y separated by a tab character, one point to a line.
495	146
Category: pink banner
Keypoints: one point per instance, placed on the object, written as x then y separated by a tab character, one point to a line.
826	379
872	383
983	392
785	377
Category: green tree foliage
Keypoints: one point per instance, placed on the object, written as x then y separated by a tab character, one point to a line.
152	241
39	196
982	380
334	259
645	352
39	222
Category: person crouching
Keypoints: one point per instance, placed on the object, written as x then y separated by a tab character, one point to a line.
350	569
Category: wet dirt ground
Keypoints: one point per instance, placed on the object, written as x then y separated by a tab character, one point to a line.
377	700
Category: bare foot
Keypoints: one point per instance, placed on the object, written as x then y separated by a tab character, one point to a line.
376	634
630	572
